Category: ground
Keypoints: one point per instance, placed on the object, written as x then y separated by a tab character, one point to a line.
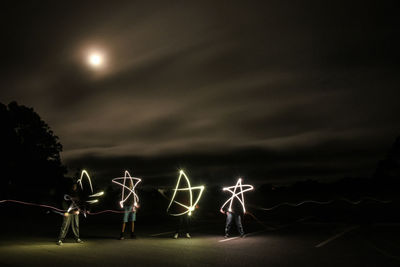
302	242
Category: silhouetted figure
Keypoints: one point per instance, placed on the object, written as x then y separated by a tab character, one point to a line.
182	221
233	214
183	226
70	204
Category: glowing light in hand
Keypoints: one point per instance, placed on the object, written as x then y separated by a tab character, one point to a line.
73	205
131	191
191	206
237	187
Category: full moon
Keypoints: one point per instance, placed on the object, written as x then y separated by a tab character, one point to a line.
95	60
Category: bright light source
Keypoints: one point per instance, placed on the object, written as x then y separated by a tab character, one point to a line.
95	60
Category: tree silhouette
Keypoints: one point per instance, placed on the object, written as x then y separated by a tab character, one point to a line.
29	155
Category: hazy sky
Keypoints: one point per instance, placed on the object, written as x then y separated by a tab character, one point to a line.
275	91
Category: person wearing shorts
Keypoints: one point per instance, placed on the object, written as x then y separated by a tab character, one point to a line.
129	216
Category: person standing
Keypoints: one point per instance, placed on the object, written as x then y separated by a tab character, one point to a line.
233	214
70	205
130	208
182	221
182	205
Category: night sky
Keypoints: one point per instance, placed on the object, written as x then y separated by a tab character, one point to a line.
274	91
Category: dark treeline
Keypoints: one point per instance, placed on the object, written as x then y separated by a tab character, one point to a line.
31	167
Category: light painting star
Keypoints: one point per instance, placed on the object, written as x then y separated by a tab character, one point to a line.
132	181
236	195
188	206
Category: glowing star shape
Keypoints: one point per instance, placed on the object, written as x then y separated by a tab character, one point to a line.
131	191
191	206
86	174
243	188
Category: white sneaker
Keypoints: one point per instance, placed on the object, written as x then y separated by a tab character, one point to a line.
176	236
188	235
59	243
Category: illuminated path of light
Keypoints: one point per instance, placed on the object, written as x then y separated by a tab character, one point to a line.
238	237
131	191
164	233
236	194
189	208
105	211
60	211
324	203
32	204
73	205
86	174
349	229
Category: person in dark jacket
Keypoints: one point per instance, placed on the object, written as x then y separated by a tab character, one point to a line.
71	215
234	213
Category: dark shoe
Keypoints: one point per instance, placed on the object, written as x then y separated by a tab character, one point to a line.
133	236
242	236
226	236
121	236
78	241
59	243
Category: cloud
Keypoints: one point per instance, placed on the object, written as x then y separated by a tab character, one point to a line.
207	78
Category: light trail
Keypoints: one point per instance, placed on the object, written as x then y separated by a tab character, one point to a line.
235	195
32	204
84	174
323	202
127	176
189	208
73	205
349	229
57	210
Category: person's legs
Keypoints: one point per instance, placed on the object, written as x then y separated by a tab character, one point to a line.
121	236
124	221
64	227
228	223
75	226
238	221
133	219
187	225
179	224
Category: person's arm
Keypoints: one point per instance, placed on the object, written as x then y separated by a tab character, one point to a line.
65	206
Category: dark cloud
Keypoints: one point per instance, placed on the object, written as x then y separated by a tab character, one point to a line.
210	82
